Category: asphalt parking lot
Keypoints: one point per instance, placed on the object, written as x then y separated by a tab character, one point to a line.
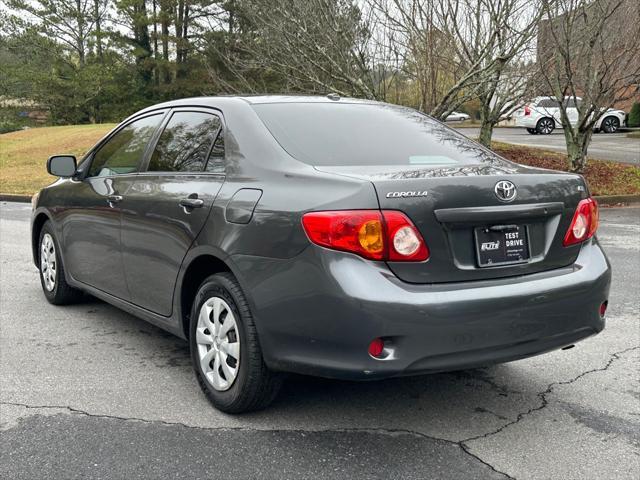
88	391
609	146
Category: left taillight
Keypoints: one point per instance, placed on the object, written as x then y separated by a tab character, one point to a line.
584	223
374	234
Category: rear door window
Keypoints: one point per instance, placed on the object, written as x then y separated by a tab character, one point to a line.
216	163
122	153
185	143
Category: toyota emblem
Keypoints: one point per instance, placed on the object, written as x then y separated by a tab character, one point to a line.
505	191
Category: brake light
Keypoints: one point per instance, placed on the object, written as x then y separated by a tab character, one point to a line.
584	223
374	234
527	110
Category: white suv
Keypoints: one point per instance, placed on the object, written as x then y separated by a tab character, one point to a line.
543	115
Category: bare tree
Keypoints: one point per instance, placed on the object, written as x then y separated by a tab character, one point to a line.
316	45
457	50
588	49
504	31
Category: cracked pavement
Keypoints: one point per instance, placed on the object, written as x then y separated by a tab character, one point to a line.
88	391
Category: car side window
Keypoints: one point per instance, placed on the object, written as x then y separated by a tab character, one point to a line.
185	143
122	153
216	162
548	103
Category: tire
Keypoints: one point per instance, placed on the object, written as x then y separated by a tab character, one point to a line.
54	284
245	384
545	126
532	131
610	124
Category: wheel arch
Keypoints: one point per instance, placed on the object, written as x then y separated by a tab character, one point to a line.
547	117
36	227
198	268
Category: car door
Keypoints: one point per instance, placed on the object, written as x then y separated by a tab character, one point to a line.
572	110
168	204
91	223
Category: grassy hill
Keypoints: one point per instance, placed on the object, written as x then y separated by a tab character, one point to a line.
23	154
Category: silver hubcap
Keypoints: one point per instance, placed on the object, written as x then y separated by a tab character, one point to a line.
610	125
218	343
546	126
48	262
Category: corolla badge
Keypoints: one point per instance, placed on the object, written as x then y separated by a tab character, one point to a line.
505	191
407	194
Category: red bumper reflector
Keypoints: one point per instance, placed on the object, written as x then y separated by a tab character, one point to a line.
603	308
376	347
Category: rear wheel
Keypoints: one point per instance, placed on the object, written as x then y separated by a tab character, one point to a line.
532	131
545	126
54	284
225	351
610	125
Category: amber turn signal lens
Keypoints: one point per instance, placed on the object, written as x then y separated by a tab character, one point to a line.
370	236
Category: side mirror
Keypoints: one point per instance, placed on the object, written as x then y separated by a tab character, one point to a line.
62	165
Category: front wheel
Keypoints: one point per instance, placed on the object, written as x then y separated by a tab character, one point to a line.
54	284
545	126
225	351
610	125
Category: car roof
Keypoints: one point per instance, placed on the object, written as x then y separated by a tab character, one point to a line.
222	101
261	99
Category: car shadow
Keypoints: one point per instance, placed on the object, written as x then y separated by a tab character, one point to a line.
459	404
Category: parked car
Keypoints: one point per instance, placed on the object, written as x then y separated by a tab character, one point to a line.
542	116
457	117
334	237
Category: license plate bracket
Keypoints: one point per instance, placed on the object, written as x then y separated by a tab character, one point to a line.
497	245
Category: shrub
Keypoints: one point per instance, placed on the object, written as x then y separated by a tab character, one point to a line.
634	116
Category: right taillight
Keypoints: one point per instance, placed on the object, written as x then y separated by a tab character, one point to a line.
386	235
527	110
584	223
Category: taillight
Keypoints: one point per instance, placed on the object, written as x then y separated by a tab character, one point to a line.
584	223
405	242
527	110
374	234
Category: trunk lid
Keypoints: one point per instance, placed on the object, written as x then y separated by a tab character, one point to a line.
453	206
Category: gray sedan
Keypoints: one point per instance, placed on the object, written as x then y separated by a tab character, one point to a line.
324	236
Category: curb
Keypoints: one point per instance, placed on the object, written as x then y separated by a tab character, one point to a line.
9	197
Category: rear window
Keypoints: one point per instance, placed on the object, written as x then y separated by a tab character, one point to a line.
334	134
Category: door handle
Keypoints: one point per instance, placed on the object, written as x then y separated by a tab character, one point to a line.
113	199
191	202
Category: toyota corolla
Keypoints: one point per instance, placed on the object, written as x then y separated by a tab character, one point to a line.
320	235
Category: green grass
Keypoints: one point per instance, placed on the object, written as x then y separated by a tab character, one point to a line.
23	154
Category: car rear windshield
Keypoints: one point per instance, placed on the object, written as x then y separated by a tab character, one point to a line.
346	134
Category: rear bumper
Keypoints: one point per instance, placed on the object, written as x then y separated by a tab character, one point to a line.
525	121
317	313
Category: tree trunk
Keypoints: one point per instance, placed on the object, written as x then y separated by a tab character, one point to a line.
577	146
156	71
81	34
165	17
488	120
486	131
96	14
